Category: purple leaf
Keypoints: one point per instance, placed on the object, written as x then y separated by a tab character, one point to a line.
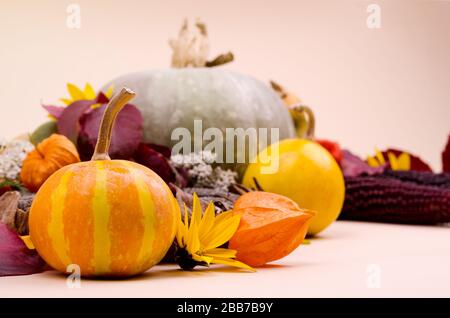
69	121
55	111
126	136
353	166
15	257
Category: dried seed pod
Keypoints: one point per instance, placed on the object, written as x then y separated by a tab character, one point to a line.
271	227
14	207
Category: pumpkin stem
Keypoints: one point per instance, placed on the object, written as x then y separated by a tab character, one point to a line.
297	113
220	60
191	48
278	89
115	105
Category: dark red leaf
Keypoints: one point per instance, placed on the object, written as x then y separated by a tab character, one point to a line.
126	136
333	148
446	157
353	166
149	156
15	257
101	98
165	151
417	164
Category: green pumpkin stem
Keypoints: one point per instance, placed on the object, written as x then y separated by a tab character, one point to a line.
297	114
115	105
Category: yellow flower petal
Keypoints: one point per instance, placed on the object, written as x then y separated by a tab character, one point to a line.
221	233
27	240
89	92
207	221
221	253
380	157
373	162
109	92
232	262
180	228
392	161
222	217
66	101
185	224
192	240
196	210
404	161
75	92
202	258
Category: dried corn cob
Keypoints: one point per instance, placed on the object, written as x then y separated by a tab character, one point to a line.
441	180
384	198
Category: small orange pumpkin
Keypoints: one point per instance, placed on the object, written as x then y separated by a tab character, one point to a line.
109	217
49	156
271	227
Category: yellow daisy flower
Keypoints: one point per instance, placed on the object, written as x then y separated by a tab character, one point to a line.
401	162
87	93
198	240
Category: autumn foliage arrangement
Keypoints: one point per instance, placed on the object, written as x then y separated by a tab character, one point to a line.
90	186
76	200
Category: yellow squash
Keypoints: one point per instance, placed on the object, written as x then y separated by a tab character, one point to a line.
306	173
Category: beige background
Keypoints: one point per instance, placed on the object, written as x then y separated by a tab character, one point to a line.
369	87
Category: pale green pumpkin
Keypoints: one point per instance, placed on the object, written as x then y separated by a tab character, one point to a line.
194	90
174	98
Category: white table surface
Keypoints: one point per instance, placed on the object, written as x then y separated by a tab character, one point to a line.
350	259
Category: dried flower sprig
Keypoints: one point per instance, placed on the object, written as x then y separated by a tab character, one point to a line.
201	171
12	154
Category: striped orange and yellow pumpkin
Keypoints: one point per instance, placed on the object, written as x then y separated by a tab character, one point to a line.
109	217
